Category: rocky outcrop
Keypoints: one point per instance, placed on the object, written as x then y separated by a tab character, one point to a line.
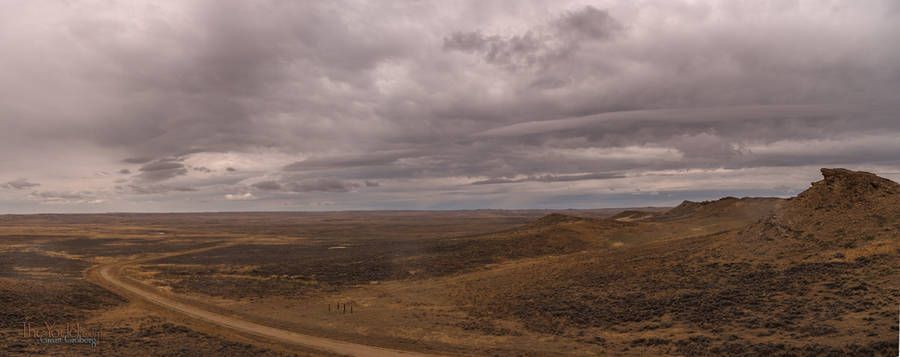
843	210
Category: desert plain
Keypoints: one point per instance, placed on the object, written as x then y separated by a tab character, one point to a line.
817	274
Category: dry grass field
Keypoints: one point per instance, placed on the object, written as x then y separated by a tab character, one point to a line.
813	275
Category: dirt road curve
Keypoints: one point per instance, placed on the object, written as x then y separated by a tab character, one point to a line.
109	275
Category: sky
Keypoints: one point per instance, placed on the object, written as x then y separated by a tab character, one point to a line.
150	106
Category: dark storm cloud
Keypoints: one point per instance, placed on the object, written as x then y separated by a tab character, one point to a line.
314	98
267	186
155	189
299	185
541	45
161	170
137	160
588	22
320	185
19	184
517	50
163	165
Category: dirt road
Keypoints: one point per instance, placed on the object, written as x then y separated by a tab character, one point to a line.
109	274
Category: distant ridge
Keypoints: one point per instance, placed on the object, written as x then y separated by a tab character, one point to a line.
631	215
555	218
727	206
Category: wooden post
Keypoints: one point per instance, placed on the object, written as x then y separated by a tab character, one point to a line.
345	308
351	307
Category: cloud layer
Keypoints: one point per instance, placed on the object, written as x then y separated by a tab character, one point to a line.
220	105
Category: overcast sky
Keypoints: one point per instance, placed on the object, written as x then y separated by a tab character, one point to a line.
300	105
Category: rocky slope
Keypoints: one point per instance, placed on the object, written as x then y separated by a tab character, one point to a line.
846	209
819	274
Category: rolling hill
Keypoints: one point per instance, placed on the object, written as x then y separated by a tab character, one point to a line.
816	274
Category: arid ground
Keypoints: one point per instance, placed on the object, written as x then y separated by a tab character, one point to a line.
816	274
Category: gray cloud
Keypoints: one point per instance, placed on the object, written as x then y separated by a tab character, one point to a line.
520	50
407	105
155	189
59	195
299	185
366	159
705	117
137	160
267	186
321	185
67	197
161	170
551	178
542	45
19	184
589	23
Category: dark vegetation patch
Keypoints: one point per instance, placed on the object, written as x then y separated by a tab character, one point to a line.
301	270
467	255
485	327
877	348
803	299
116	247
655	288
58	266
67	300
150	336
285	270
